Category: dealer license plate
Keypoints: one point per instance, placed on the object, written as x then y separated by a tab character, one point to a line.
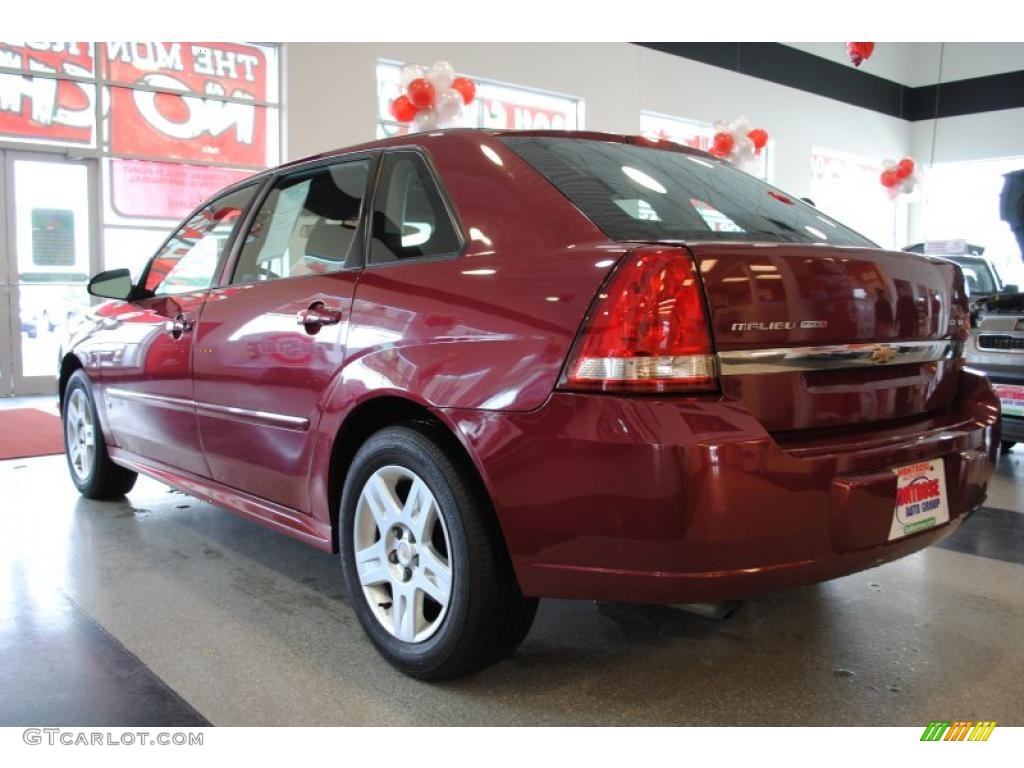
920	498
1011	398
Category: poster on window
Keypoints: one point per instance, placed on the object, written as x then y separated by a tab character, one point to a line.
142	189
47	109
188	120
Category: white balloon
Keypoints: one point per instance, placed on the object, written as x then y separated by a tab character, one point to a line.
740	126
721	126
426	120
907	185
889	164
409	73
744	148
441	75
448	104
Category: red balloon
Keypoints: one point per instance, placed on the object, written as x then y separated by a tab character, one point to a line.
465	87
858	52
890	178
402	109
723	144
421	93
905	167
760	137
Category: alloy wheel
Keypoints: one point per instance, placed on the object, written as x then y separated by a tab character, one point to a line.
403	553
81	434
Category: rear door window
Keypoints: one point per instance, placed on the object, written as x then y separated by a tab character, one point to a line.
641	193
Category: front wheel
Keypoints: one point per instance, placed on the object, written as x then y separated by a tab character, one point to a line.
424	565
93	473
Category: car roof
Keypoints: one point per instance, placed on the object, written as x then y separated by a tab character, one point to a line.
431	137
427	138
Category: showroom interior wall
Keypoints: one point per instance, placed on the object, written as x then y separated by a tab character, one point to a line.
331	99
331	96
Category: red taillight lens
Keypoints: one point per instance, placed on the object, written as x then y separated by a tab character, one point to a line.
648	330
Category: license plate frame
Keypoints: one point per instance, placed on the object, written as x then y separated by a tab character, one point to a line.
1011	398
921	501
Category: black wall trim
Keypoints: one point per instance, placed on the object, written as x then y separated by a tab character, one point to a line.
778	63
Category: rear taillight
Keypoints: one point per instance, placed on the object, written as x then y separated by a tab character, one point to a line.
647	331
959	315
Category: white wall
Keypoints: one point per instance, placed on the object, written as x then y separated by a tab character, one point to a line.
331	97
331	92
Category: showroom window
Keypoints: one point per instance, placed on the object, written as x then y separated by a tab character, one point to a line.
497	105
699	135
949	214
846	186
176	123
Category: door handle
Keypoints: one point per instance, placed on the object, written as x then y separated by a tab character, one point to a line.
317	315
177	326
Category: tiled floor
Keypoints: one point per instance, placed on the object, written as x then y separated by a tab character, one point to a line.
164	609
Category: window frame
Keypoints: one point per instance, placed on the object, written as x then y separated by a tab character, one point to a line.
446	202
357	255
259	182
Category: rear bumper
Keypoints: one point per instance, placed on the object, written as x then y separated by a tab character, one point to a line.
690	500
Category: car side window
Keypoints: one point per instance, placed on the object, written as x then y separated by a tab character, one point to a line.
410	219
189	260
307	225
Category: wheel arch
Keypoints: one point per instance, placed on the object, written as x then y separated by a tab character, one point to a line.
385	410
68	365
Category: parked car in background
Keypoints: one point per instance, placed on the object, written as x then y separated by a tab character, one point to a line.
489	367
29	325
980	274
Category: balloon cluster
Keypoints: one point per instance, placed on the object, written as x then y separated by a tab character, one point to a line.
431	97
735	141
859	52
899	177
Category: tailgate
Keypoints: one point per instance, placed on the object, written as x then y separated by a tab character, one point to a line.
814	336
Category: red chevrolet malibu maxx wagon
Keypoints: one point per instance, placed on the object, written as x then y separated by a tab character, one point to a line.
488	367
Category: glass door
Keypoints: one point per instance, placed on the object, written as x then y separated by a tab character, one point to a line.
47	253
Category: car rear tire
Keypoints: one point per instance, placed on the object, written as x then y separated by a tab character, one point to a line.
93	473
423	561
1006	445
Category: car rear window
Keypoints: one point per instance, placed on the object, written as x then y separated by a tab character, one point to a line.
640	193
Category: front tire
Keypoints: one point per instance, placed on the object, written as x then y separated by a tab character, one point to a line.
423	561
93	473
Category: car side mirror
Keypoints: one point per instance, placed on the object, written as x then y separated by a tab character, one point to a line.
112	284
809	201
1011	288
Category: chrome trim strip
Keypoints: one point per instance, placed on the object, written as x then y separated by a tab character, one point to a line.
279	420
832	357
164	401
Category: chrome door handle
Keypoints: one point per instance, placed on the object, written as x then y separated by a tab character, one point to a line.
178	326
318	315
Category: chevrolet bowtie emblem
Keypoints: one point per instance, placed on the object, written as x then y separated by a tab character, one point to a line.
883	353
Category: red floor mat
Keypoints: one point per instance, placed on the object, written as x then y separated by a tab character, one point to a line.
28	432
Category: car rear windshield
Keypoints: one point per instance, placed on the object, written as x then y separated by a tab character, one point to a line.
640	193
